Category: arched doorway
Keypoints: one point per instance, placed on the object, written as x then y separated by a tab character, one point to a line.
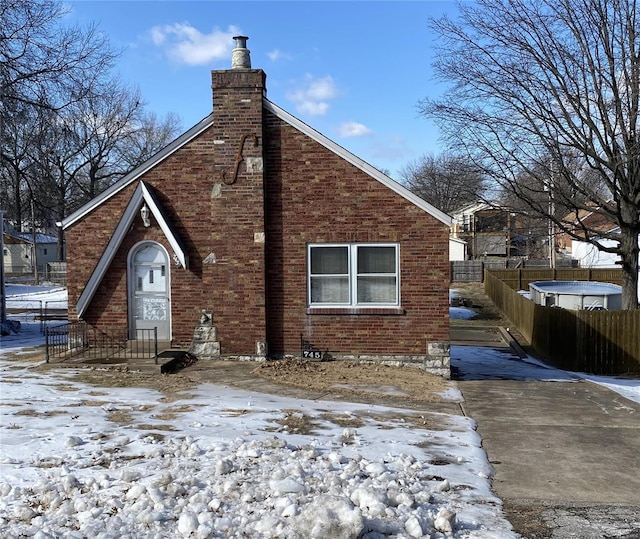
149	301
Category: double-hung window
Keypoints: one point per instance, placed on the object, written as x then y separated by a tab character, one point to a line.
353	275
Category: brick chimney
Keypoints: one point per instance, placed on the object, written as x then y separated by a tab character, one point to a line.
237	204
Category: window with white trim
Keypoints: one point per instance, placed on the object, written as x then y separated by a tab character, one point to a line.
353	275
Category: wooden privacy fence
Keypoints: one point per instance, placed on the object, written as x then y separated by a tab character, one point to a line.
473	270
519	279
597	342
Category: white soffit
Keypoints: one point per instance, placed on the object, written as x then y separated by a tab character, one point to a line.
356	161
142	193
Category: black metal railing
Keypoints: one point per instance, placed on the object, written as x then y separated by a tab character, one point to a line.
145	344
91	344
65	340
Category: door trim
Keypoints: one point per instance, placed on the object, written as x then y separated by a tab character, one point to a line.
131	287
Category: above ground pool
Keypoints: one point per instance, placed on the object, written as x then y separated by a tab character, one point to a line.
577	295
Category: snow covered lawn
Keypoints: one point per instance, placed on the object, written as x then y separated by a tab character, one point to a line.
79	460
84	461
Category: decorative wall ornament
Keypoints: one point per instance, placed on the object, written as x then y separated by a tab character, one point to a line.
210	259
261	348
254	165
239	159
144	213
206	318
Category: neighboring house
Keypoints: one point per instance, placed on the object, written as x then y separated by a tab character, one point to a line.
501	232
589	219
462	221
589	256
457	249
275	233
19	254
488	231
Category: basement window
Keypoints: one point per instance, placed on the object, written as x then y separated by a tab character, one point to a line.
353	275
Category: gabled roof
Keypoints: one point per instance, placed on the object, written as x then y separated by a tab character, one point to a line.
356	161
27	237
470	209
142	194
286	117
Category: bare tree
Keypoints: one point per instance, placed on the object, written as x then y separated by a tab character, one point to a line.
69	128
147	137
550	89
115	134
43	63
58	168
447	181
17	137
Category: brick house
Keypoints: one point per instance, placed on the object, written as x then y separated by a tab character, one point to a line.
277	235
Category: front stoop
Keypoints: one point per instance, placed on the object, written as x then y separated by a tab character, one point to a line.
168	362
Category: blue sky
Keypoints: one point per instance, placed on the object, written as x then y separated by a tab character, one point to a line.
353	70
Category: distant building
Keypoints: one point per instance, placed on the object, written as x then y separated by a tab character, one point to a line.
457	249
20	254
487	230
589	256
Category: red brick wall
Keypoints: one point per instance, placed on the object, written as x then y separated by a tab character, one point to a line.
315	196
208	215
311	196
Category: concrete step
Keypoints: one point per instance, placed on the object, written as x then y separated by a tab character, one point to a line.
168	361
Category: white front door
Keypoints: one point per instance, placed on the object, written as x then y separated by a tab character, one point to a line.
149	305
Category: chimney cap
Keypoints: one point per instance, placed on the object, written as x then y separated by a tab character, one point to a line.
241	42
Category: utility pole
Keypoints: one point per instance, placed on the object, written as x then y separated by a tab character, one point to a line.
34	237
552	247
3	296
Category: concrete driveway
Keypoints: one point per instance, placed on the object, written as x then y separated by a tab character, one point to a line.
566	451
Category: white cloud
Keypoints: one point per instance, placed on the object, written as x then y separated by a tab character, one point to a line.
313	95
185	44
353	129
277	55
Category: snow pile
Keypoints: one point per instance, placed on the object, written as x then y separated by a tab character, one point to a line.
458	310
260	488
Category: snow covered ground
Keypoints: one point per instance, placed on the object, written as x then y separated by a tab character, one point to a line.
459	313
77	460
